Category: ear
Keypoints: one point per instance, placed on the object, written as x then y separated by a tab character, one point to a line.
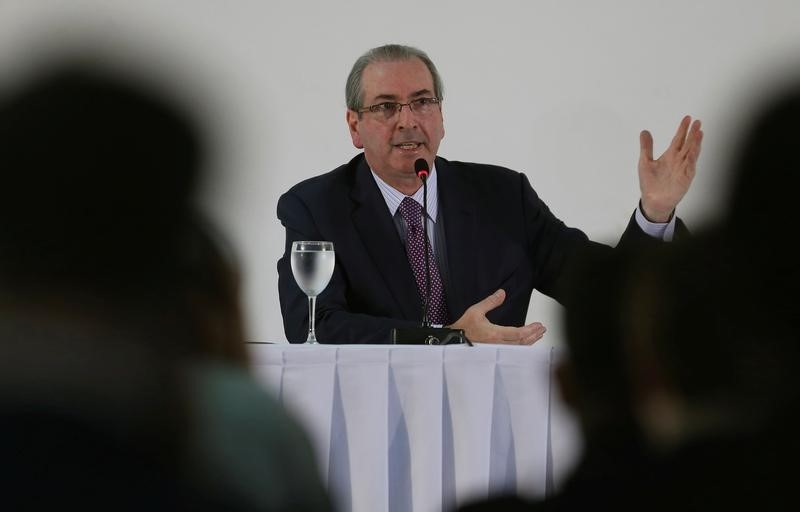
352	123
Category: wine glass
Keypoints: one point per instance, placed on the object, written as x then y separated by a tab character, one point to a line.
312	266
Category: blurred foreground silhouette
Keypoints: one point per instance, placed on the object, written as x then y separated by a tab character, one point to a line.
123	372
684	359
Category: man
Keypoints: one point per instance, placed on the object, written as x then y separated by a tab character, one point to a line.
492	239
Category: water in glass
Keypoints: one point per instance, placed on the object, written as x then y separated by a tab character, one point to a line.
312	267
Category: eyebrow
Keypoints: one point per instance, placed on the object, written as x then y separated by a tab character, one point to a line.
393	97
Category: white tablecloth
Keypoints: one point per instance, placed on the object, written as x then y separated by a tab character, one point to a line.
418	428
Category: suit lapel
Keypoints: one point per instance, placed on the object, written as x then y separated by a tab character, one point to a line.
458	205
377	230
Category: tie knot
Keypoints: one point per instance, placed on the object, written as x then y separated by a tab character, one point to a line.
411	211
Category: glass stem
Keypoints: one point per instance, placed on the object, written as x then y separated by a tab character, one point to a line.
312	306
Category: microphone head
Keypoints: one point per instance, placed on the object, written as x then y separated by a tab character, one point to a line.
421	168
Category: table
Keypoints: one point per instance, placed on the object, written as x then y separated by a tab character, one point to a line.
418	428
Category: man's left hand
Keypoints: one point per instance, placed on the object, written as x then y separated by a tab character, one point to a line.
665	181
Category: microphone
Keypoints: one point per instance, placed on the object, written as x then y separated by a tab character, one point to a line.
426	334
421	168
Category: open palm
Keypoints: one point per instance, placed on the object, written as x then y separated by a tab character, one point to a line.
664	181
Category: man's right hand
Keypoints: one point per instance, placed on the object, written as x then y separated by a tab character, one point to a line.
478	328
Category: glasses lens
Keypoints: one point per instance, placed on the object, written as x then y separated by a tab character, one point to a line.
390	109
420	106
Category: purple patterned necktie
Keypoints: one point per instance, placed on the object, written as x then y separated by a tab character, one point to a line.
411	211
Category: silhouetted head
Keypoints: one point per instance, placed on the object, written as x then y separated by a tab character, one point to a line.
758	231
760	221
97	211
764	174
98	174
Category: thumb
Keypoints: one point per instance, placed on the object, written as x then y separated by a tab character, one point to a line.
645	146
490	302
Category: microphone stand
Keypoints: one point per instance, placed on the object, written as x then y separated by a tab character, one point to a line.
427	334
426	303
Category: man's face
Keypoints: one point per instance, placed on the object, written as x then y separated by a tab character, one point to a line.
392	145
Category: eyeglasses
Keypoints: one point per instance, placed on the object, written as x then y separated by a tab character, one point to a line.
388	109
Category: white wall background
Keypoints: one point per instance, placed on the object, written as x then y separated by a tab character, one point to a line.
557	89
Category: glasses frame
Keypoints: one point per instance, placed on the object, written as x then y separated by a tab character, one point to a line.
382	108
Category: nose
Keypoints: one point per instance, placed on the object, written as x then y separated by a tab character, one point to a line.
406	117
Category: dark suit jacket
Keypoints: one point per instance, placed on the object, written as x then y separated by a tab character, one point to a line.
498	234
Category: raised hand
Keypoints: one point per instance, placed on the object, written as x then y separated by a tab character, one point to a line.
478	328
664	182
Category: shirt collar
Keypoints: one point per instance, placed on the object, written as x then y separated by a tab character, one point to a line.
393	197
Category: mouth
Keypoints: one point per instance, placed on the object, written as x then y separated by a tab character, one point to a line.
408	146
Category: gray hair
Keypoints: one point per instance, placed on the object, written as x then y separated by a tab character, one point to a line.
386	53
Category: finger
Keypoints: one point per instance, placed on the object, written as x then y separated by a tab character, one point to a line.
646	146
535	335
505	334
525	335
680	136
691	150
490	302
692	140
694	152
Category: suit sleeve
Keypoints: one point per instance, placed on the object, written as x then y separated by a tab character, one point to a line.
335	322
553	246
